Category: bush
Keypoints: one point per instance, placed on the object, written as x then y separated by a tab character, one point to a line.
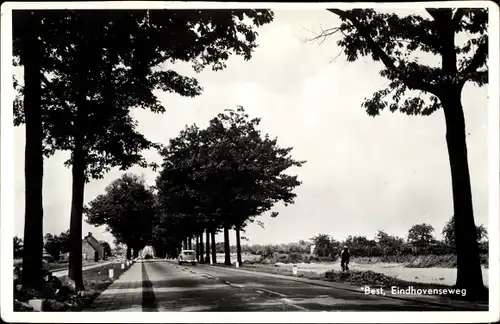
326	259
295	257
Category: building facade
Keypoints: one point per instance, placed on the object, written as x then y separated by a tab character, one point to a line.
91	248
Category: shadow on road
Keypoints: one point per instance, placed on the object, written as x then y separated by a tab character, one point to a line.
148	295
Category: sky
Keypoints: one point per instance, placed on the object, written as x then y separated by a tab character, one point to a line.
363	174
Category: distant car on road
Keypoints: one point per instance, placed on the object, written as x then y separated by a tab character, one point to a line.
187	256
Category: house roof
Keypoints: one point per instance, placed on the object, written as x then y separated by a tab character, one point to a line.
92	242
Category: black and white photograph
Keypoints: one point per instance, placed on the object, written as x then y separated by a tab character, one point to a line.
250	162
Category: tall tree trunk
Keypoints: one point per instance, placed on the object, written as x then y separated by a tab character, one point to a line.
75	230
136	252
33	156
214	250
207	246
184	244
189	244
202	256
129	252
238	246
469	274
197	249
227	246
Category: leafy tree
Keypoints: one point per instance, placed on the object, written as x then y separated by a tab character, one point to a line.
360	245
323	245
109	65
250	168
448	232
421	234
107	248
127	210
18	247
181	194
388	243
52	245
225	175
29	52
396	41
56	244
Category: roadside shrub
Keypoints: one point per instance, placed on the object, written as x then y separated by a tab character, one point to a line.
326	259
313	258
295	257
440	261
361	277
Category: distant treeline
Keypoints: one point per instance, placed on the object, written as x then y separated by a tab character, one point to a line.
419	241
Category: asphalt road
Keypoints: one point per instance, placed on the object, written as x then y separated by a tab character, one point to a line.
170	287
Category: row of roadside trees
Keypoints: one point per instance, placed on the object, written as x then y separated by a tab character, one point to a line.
84	71
213	179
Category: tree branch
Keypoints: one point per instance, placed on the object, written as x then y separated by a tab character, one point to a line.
437	13
478	59
410	81
56	91
459	14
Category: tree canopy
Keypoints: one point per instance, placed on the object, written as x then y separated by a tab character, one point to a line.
421	233
448	232
398	41
127	209
457	39
97	68
57	244
224	175
18	247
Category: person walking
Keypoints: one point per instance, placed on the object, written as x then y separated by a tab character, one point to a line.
344	258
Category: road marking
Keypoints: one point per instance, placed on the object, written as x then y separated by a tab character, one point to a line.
284	299
273	292
291	303
234	285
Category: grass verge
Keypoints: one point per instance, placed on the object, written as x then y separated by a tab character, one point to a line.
96	280
58	296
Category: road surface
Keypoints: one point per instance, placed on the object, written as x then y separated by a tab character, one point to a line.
163	286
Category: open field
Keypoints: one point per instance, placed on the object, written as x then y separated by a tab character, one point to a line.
434	275
443	276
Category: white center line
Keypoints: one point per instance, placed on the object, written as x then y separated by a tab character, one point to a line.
284	299
291	303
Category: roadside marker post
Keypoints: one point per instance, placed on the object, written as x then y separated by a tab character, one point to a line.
295	270
111	273
37	304
237	264
123	266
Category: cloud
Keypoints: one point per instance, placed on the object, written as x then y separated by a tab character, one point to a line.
362	173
